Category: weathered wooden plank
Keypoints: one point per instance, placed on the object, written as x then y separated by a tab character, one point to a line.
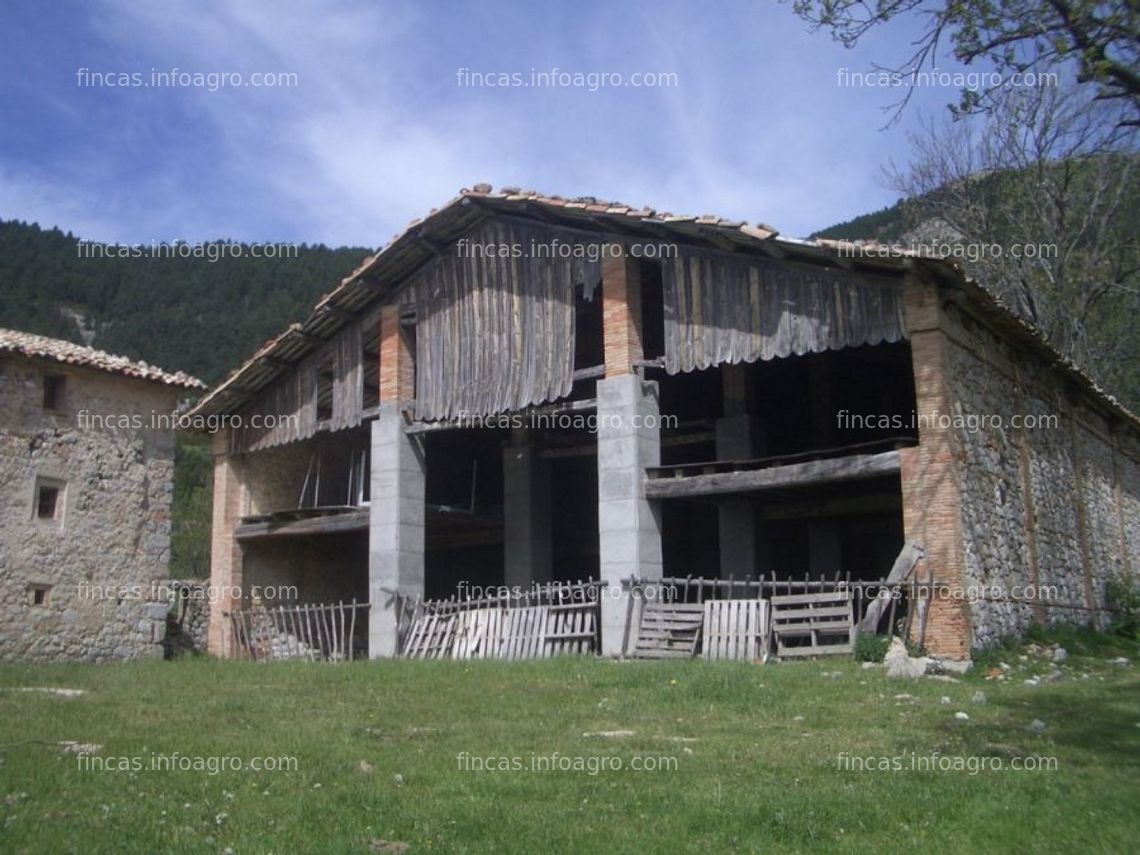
904	564
809	473
822	611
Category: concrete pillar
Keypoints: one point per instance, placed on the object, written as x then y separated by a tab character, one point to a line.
629	526
736	440
396	516
395	528
527	546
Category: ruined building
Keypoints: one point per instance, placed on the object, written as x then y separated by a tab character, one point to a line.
523	388
86	461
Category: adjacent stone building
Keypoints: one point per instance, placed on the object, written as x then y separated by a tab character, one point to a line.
86	462
524	389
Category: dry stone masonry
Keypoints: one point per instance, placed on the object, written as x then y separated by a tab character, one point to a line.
85	510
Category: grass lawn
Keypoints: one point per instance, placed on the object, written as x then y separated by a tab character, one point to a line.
750	757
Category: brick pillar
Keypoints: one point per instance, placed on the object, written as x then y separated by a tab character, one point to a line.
397	361
621	313
396	512
931	490
226	576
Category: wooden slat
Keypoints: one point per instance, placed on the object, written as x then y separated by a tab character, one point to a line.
821	612
733	629
799	599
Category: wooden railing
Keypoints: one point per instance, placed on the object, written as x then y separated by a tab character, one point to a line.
549	621
326	633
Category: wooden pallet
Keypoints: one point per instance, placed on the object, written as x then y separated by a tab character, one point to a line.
669	630
571	628
826	621
735	629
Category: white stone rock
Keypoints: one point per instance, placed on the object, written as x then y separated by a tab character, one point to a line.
961	716
900	664
950	666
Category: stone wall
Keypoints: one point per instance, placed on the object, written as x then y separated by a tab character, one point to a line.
1049	510
95	558
188	618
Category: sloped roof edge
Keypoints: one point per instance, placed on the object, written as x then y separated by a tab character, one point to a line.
69	353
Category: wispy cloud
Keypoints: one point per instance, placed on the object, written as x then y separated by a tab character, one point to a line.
377	129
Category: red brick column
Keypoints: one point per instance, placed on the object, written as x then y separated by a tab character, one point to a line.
397	360
226	575
931	490
621	311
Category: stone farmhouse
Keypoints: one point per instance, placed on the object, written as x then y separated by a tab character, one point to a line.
86	460
524	389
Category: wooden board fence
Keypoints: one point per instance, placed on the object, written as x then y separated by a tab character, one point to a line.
326	633
509	628
735	629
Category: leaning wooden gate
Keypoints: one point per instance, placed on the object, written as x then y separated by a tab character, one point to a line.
334	632
558	620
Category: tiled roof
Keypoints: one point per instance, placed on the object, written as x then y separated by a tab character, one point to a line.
42	347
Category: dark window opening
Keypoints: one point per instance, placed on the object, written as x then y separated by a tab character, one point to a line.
652	310
408	343
47	501
370	369
589	346
38	595
54	385
836	399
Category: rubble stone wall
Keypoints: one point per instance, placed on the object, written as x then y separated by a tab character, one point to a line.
1049	487
96	558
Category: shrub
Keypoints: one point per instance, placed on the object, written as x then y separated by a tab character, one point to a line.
871	648
1122	596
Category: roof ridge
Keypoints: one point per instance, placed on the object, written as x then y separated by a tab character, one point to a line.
58	349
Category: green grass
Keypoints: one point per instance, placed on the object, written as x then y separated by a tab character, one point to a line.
754	777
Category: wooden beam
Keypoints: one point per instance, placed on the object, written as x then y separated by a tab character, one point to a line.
308	338
810	473
589	373
331	524
337	312
491	421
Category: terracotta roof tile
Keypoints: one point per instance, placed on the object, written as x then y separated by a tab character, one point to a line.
42	347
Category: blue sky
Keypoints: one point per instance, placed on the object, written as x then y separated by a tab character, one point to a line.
377	129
